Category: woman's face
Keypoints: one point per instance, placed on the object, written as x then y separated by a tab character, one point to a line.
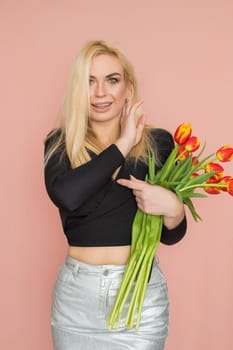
108	88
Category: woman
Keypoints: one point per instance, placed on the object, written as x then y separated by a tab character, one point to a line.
95	165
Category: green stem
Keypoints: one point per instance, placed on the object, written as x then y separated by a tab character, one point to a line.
125	287
124	283
133	275
143	288
202	185
133	305
210	161
168	164
138	227
156	230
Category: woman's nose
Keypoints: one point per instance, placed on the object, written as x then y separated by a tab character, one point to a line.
100	89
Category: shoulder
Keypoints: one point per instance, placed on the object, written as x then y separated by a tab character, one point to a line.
54	147
54	136
161	138
162	143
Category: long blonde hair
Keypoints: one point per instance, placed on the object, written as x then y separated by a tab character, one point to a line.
73	128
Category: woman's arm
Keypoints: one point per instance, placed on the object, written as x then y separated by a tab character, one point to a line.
69	188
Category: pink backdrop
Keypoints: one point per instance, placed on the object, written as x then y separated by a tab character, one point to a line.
182	52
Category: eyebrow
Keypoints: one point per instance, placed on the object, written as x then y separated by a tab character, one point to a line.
107	76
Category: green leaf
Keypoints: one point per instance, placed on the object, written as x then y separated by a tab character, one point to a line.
136	228
200	179
195	168
202	150
180	196
199	166
193	195
151	164
167	167
177	169
192	209
182	169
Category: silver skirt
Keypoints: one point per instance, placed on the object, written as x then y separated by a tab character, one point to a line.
83	296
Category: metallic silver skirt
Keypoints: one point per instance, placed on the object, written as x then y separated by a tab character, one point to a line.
83	296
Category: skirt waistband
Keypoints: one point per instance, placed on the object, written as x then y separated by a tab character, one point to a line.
79	266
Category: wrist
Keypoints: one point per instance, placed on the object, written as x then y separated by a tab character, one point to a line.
124	146
175	216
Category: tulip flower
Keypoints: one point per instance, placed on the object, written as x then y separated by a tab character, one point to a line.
182	153
225	181
182	133
225	153
214	179
194	175
192	144
195	161
214	167
230	187
212	190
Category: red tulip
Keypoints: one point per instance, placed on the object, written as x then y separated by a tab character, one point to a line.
225	153
194	175
195	161
226	181
182	153
212	190
215	167
182	133
214	179
192	144
230	187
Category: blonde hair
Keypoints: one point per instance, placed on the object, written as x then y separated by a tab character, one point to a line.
75	134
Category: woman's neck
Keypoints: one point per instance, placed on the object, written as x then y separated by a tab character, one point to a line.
106	133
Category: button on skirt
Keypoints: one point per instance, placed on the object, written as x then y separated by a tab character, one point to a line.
83	296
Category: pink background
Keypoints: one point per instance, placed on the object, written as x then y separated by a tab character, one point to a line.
182	52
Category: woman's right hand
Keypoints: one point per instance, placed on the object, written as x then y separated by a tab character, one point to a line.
131	130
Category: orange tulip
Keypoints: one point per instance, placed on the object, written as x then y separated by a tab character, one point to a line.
215	167
194	175
214	179
182	153
182	133
195	161
230	187
212	190
225	153
192	144
225	181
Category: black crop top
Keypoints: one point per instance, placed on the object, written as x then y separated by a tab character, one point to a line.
94	209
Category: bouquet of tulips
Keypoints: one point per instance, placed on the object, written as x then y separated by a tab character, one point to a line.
183	174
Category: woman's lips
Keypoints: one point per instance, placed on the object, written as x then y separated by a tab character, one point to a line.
101	107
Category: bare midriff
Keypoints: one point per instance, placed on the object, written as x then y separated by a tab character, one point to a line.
101	255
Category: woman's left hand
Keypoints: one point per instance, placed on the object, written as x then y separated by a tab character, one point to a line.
156	200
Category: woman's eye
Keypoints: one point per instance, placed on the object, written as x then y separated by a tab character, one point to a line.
113	80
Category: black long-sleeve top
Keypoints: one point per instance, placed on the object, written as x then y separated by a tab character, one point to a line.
94	209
